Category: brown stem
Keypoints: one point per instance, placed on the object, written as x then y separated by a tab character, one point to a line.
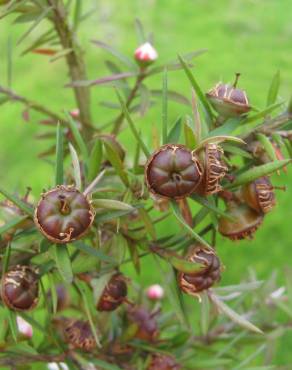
186	211
32	104
119	120
75	62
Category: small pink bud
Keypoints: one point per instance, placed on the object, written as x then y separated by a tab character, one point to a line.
155	292
75	113
24	327
145	54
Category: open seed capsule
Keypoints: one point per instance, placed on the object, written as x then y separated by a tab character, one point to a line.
113	294
161	361
207	276
228	100
173	171
245	222
63	214
20	288
79	335
259	195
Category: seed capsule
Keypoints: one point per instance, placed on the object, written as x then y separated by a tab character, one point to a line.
259	195
63	214
78	333
20	288
160	361
214	170
113	294
245	222
147	328
173	171
229	101
204	279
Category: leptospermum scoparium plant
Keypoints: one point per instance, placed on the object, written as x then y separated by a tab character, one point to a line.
68	295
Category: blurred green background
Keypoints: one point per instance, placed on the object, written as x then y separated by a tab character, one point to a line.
248	36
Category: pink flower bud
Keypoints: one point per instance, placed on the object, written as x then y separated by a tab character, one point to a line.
155	292
75	113
146	54
24	327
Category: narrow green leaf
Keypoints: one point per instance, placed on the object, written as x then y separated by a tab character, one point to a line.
134	254
174	133
104	365
112	204
218	140
53	291
77	136
132	126
149	226
233	149
190	139
88	313
6	259
268	146
274	89
35	24
63	262
12	224
178	262
205	313
263	113
116	161
76	167
164	107
205	203
108	216
96	253
60	54
140	31
59	156
235	317
11	316
258	171
197	88
227	127
95	160
177	214
18	202
35	324
197	118
77	13
9	61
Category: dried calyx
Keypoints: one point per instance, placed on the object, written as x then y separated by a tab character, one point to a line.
207	276
214	169
228	100
20	288
243	223
114	293
159	361
63	214
78	334
173	171
259	195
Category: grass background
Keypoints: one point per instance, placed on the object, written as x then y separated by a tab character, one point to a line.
248	36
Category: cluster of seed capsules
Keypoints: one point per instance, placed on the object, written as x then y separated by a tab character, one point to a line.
65	214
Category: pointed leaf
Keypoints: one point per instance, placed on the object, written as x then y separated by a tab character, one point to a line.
205	203
174	134
274	89
18	202
268	146
76	167
63	262
96	253
77	136
258	171
177	214
263	113
59	156
235	317
164	108
112	204
11	316
95	160
190	139
218	140
12	224
197	88
132	126
102	80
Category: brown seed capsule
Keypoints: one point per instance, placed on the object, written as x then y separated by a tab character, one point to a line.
229	101
161	361
20	288
79	335
113	294
209	274
245	222
147	328
214	170
173	171
259	195
63	214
